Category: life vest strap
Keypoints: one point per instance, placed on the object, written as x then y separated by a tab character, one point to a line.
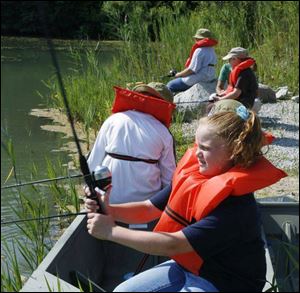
130	158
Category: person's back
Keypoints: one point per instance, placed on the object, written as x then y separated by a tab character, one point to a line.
139	135
248	85
202	65
137	147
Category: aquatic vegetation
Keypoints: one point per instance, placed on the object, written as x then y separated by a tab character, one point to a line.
89	86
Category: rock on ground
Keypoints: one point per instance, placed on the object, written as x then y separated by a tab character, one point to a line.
192	103
266	94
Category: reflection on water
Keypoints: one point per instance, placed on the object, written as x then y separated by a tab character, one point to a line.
22	72
21	80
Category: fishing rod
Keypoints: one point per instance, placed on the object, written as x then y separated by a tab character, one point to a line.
41	181
171	73
101	177
41	218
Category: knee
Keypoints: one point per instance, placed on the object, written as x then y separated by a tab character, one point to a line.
171	85
122	288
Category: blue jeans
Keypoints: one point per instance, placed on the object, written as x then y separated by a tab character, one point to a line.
177	85
166	277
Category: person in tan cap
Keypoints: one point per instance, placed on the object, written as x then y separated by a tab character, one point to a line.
138	150
237	52
155	89
242	82
200	66
227	105
133	134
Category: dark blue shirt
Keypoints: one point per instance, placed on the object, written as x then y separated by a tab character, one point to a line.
229	241
248	85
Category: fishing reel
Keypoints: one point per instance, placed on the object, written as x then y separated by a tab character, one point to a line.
172	73
101	177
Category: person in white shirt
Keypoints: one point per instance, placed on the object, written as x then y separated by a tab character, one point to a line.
200	66
138	150
136	135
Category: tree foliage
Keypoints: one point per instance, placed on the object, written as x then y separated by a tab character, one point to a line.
82	19
102	20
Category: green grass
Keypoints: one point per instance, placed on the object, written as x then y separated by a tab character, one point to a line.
22	254
273	42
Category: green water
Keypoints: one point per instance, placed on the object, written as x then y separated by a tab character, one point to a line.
22	72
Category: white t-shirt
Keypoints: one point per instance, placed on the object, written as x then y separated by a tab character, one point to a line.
199	65
140	135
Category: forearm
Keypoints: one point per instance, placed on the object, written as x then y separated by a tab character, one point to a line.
155	243
233	95
135	212
185	72
220	87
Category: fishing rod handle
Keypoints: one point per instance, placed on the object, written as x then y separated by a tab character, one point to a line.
100	178
89	180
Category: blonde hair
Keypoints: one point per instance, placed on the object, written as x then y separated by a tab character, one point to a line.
244	138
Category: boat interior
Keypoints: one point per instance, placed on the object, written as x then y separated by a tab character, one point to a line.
80	262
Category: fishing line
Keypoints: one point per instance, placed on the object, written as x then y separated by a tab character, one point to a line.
193	102
41	181
41	218
82	160
100	178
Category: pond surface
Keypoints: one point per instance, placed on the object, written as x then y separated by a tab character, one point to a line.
22	89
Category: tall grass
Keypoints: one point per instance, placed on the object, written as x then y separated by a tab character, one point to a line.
88	89
8	146
286	264
21	255
269	29
11	280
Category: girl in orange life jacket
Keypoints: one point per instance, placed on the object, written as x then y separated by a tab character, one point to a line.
208	223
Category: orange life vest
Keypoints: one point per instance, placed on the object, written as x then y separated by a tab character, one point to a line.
268	138
194	196
131	100
199	44
234	74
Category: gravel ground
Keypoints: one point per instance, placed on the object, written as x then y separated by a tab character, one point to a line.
282	120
